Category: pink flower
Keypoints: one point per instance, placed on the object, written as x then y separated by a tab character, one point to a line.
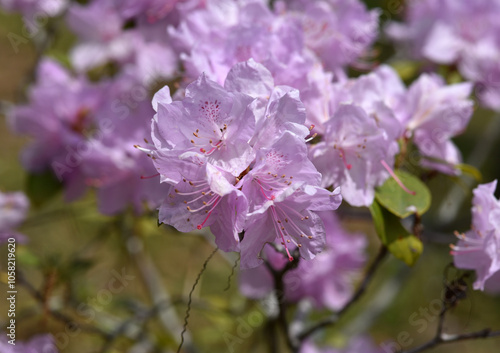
479	248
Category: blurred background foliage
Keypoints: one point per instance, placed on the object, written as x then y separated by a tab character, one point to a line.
73	249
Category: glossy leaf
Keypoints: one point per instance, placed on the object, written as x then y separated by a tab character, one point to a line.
399	241
398	201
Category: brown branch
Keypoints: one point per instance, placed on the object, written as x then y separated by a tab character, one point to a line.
280	294
447	338
359	292
69	321
455	291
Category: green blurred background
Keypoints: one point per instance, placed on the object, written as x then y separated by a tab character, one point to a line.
73	249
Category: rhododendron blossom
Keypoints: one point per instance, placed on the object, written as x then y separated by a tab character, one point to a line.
464	34
479	248
246	123
240	166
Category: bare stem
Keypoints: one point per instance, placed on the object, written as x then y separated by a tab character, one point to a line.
359	292
446	338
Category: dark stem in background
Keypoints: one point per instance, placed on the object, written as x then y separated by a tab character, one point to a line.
359	292
445	338
67	320
153	281
454	292
280	296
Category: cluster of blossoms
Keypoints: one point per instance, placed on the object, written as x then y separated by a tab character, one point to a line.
465	34
84	132
304	44
238	162
371	113
479	248
13	209
259	132
231	149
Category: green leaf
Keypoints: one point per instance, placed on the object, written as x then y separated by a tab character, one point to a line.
399	202
407	249
406	69
399	241
40	187
378	220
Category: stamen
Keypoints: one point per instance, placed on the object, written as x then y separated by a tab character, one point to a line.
150	177
262	190
199	226
395	177
190	193
273	212
342	155
214	199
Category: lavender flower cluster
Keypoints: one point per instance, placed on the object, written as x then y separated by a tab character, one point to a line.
260	132
456	33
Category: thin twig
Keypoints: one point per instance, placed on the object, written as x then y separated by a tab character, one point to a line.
443	338
231	274
153	283
280	294
446	338
188	310
67	320
359	292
